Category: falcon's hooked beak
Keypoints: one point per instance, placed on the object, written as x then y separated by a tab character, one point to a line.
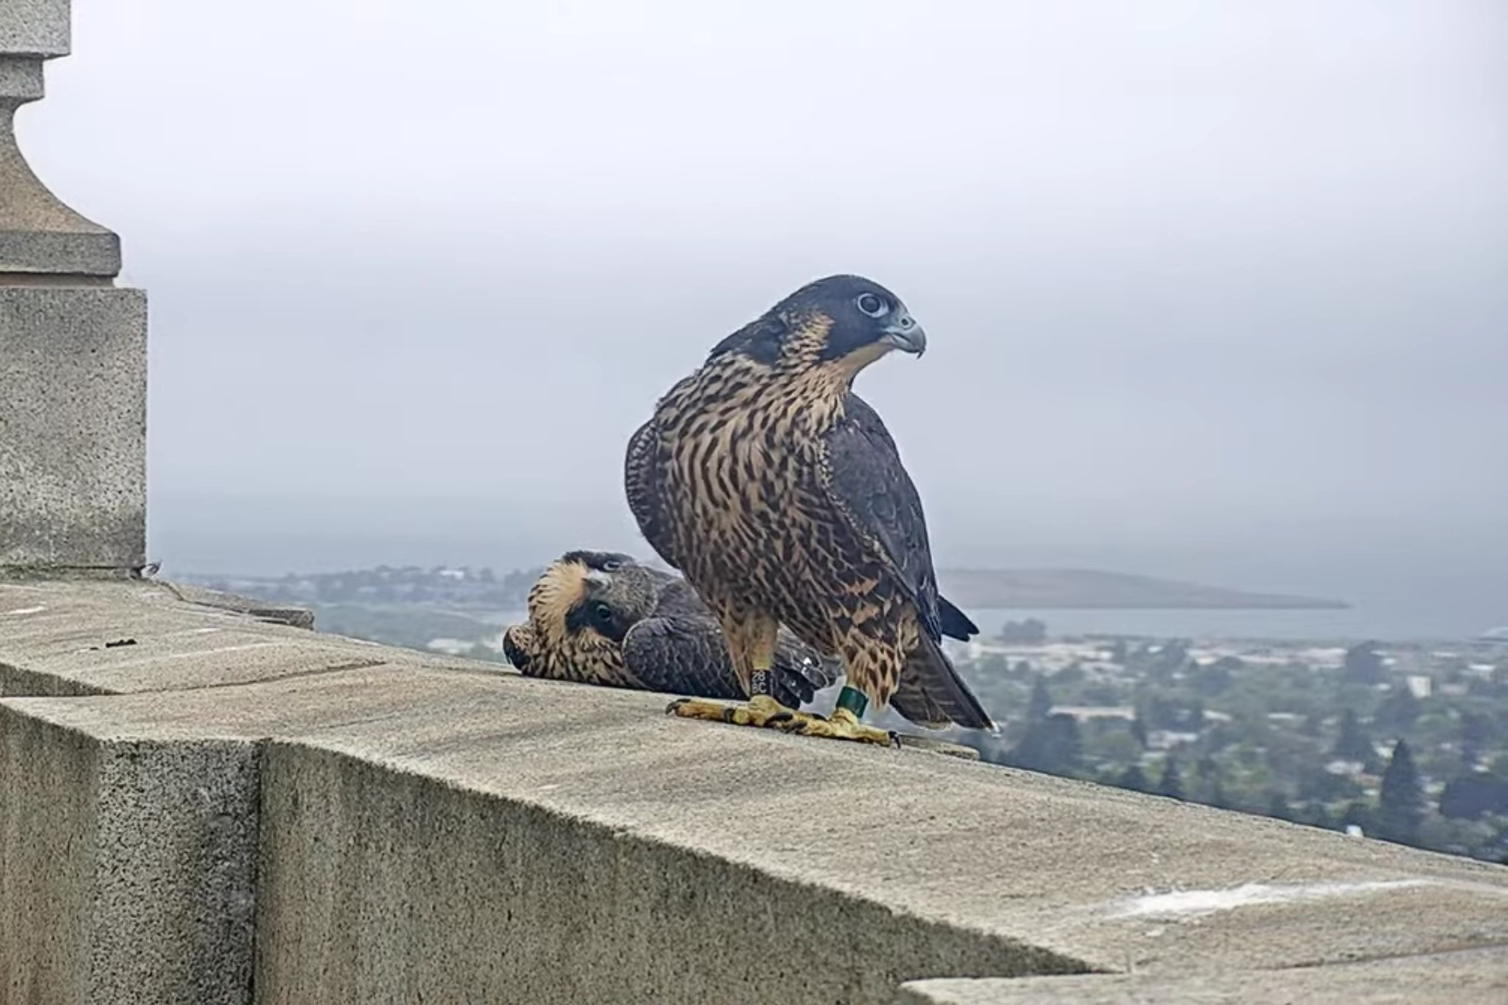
904	333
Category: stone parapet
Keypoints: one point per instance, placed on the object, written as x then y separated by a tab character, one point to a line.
332	821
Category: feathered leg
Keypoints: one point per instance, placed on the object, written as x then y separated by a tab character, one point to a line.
750	639
870	669
751	646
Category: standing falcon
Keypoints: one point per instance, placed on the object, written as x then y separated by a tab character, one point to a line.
780	495
600	617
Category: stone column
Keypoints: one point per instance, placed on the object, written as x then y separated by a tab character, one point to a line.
73	352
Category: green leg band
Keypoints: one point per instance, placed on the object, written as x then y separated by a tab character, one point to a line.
853	700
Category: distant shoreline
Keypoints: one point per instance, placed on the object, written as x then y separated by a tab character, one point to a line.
971	589
1092	589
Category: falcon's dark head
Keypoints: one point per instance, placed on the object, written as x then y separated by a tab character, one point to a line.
841	322
590	593
598	561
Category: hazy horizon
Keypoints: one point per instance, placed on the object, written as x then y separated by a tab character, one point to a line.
1395	592
1213	291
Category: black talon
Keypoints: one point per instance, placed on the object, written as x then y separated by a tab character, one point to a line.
728	713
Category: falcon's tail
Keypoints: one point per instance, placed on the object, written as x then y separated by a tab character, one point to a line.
931	693
955	623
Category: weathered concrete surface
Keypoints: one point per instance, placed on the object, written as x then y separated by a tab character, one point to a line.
126	866
73	363
63	638
442	831
1472	977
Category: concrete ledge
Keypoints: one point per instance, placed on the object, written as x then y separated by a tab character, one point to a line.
474	897
126	866
1473	977
409	829
107	637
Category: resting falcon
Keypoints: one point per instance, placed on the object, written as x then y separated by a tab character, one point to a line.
600	617
781	497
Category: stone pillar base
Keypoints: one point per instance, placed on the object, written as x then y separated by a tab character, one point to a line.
73	413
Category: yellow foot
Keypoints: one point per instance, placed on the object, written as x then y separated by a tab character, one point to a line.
765	712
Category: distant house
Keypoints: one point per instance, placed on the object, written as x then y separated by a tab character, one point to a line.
1420	686
1083	713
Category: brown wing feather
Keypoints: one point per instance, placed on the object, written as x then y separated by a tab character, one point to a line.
686	655
871	488
646	500
518	645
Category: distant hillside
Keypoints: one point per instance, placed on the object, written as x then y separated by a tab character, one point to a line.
1026	589
479	589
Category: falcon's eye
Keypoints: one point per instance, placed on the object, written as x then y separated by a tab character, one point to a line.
611	565
871	305
602	614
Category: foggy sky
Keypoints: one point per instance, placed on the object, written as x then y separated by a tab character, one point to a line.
1221	283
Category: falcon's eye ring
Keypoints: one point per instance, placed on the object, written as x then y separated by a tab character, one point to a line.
871	305
611	565
602	613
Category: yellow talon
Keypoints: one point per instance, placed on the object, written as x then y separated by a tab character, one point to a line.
765	712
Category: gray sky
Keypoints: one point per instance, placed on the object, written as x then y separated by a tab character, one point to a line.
1209	286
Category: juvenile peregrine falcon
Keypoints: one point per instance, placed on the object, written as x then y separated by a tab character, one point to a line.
599	617
780	495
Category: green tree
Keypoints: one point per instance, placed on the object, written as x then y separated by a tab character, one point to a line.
1400	806
1399	710
1476	736
1354	744
1218	797
1316	785
1111	744
1363	665
1214	679
1316	815
1135	779
1206	779
1171	784
1031	631
1040	705
1473	796
1170	660
1360	814
1051	746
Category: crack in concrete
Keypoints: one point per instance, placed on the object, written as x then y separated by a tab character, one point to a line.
295	675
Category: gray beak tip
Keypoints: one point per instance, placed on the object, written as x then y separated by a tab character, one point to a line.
911	339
